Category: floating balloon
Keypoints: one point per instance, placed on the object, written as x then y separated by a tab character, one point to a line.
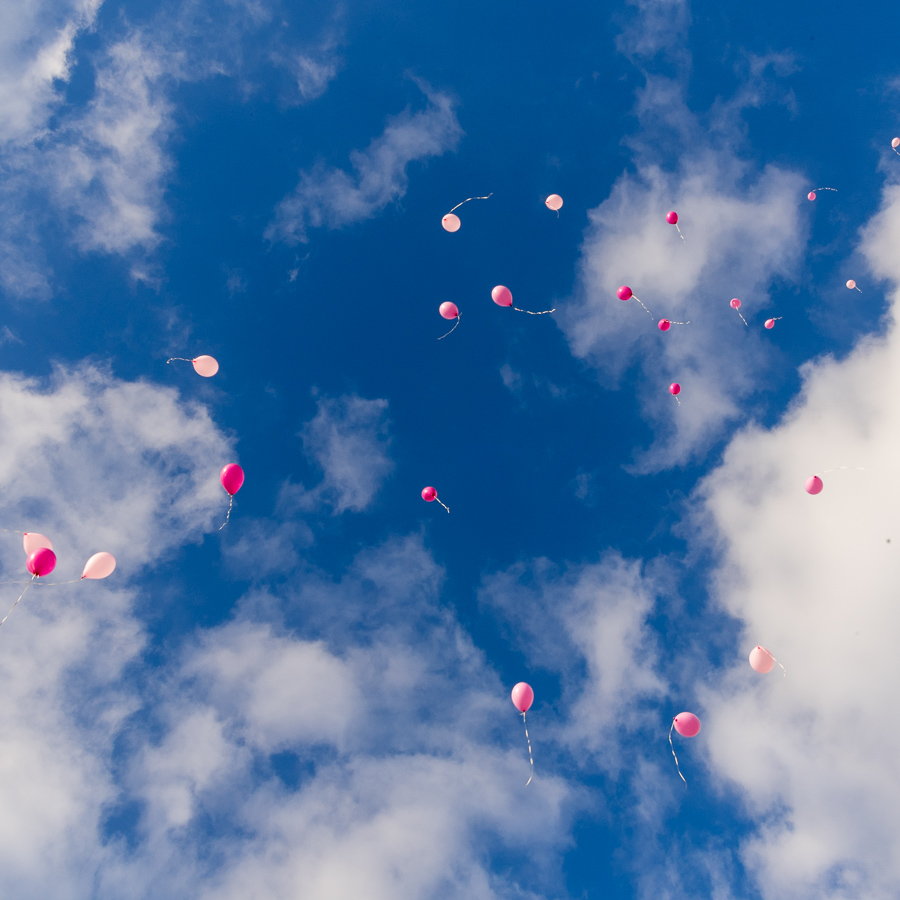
762	661
812	194
687	725
736	306
672	219
666	324
100	565
770	323
451	222
502	296
41	562
203	365
554	202
231	477
32	541
522	698
449	311
895	143
851	285
814	485
429	493
625	293
675	390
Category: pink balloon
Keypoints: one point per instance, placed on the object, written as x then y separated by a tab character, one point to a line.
554	202
522	697
664	325
895	143
451	222
32	541
429	494
735	304
672	217
770	323
761	660
100	565
501	295
448	310
851	284
811	195
41	562
232	477
205	366
814	485
674	388
624	292
687	724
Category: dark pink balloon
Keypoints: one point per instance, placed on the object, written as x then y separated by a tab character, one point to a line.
448	310
674	388
672	217
522	697
232	477
770	323
624	292
41	562
429	494
501	295
664	325
814	485
687	724
735	304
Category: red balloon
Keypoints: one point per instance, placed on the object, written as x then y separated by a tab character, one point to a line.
41	562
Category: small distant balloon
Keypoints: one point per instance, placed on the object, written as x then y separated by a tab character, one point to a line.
232	478
100	565
770	323
429	494
895	143
812	194
203	365
625	293
449	310
554	202
32	541
451	222
814	485
687	725
522	698
736	306
675	390
41	562
666	324
851	285
502	296
672	219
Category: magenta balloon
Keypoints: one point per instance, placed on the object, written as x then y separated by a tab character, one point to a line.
41	562
522	697
814	485
672	217
735	304
770	323
232	477
205	366
32	541
448	310
811	195
624	292
554	202
501	295
429	494
664	325
451	222
687	724
895	143
761	660
674	388
100	565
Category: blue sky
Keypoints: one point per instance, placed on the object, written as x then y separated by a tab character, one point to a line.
315	701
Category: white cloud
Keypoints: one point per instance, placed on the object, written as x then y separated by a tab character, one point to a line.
327	197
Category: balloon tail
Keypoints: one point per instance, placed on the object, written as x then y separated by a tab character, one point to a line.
178	359
458	205
679	231
896	150
442	503
530	756
673	753
451	330
643	307
676	399
17	601
858	290
531	313
825	189
679	323
228	514
742	317
842	469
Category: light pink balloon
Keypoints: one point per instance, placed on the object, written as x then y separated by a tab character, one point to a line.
735	304
41	562
761	660
624	292
32	541
448	310
672	217
100	565
232	477
664	325
851	284
501	295
687	724
429	494
895	143
814	485
811	195
674	388
554	202
522	697
205	366
451	222
770	323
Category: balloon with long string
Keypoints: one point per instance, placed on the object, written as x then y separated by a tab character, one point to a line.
666	324
814	483
687	725
451	222
449	310
736	306
672	219
40	563
851	286
203	365
429	494
502	296
522	698
895	143
762	661
555	203
231	478
770	323
812	194
675	390
625	293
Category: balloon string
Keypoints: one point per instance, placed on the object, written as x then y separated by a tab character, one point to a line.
178	359
896	150
17	601
679	231
13	531
673	752
442	503
643	307
530	757
530	313
679	323
451	330
458	205
827	189
783	669
228	514
742	317
676	399
857	288
842	468
44	583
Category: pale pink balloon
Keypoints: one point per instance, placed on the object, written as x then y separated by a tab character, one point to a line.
429	494
674	388
851	284
451	222
895	143
501	295
205	366
811	195
735	304
814	485
761	660
448	310
41	562
100	565
664	325
672	217
32	541
624	292
232	477
770	323
687	724
522	697
554	202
